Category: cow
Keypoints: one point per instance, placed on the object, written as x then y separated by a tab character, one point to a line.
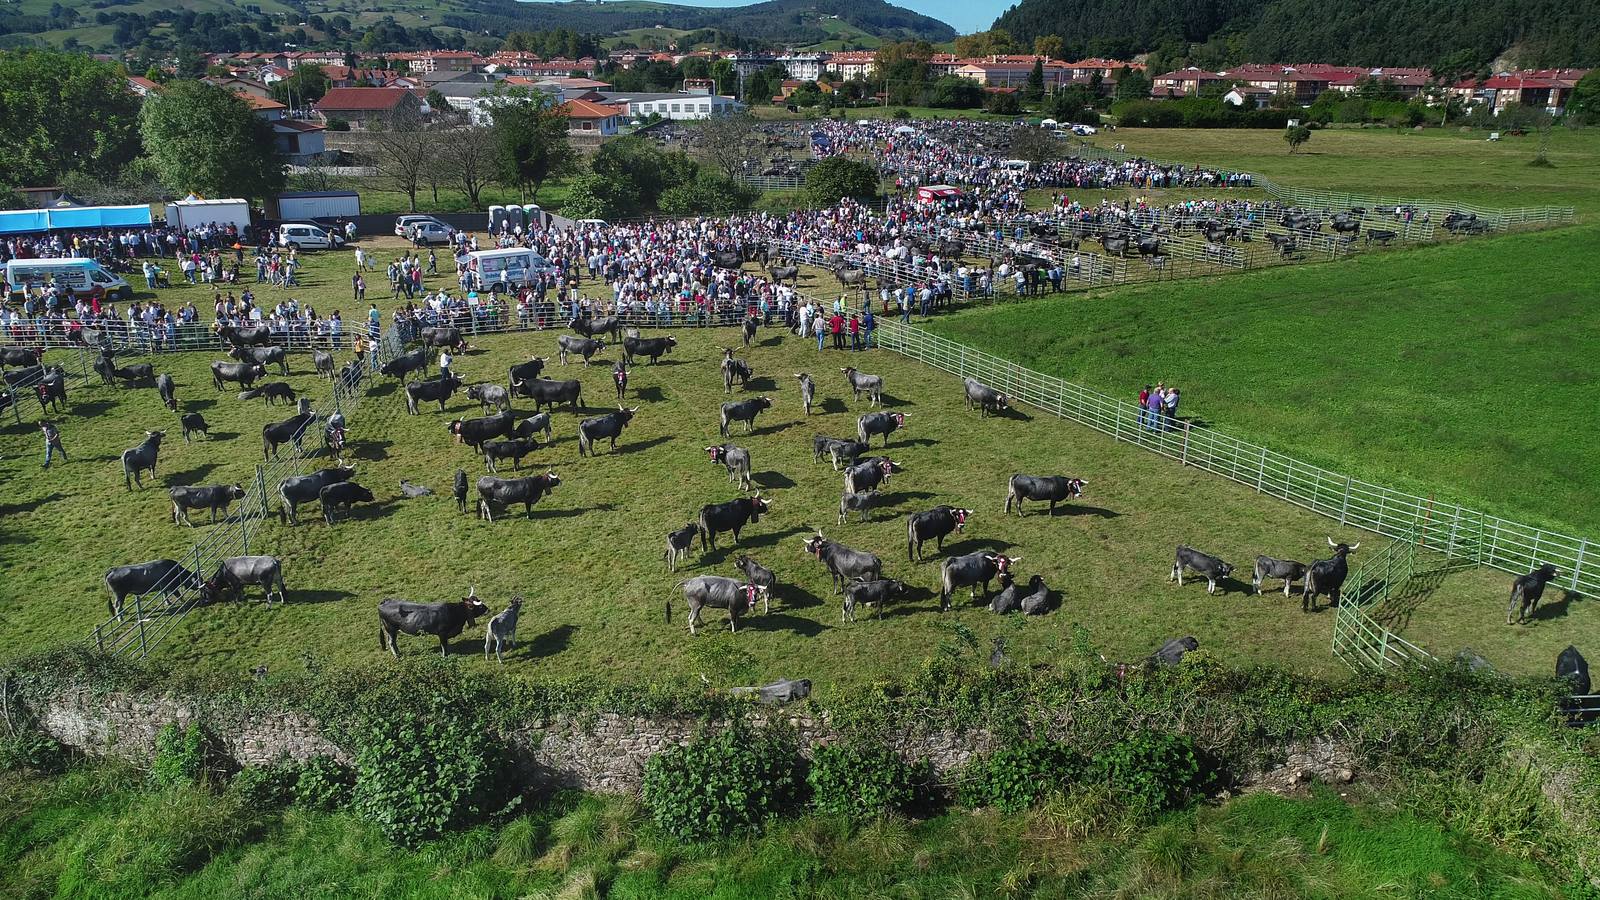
140	458
1009	598
103	366
245	374
933	525
168	389
868	474
22	356
1037	602
651	348
842	452
342	495
138	580
443	336
876	593
459	490
526	371
1053	488
414	491
780	274
432	390
352	373
213	498
32	373
734	369
322	362
609	325
736	460
808	390
861	503
985	398
679	543
251	336
1526	591
970	571
844	564
759	575
1572	668
544	390
1210	567
606	427
717	592
192	422
138	372
884	423
501	632
488	395
235	572
872	385
446	620
405	364
298	489
1381	235
1172	652
263	356
507	491
729	516
749	329
272	392
1268	567
290	430
743	411
513	450
619	377
52	391
473	432
585	347
1326	576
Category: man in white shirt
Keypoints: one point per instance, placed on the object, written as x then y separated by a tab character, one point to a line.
445	359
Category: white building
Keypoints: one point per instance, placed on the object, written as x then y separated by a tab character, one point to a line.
673	106
803	66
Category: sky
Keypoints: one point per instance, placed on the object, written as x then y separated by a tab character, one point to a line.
966	16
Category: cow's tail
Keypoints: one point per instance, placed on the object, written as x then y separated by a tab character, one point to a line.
1011	493
911	537
584	445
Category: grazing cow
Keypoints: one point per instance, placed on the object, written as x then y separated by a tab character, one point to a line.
52	391
876	593
758	575
678	544
1326	576
504	492
872	385
985	398
585	347
161	575
414	491
1009	598
526	371
808	390
1382	236
342	495
252	336
1052	488
651	348
140	458
842	452
544	390
1526	591
868	474
460	490
533	425
322	361
619	377
473	432
193	422
213	498
1287	569
729	516
298	489
488	395
501	634
732	370
443	336
21	356
744	411
736	460
245	374
433	390
1572	668
970	571
933	525
750	325
780	274
290	430
446	620
844	564
168	390
717	592
884	423
606	427
405	364
263	356
513	450
609	325
236	572
1037	602
272	392
1210	567
861	503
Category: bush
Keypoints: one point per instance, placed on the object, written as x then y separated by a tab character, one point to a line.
30	748
323	784
860	781
1151	771
1012	779
263	787
1003	104
338	125
708	193
901	114
180	756
838	177
422	771
720	784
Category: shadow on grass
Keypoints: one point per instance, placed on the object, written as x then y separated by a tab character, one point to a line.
1556	609
728	549
974	545
371	450
889	501
771	479
649	395
318	596
383	389
784	622
833	405
640	446
100	407
1078	509
10	509
189	477
762	384
550	643
773	429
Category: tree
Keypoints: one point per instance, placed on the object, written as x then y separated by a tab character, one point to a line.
1296	136
955	92
902	69
985	43
38	143
1036	145
402	151
1049	45
207	139
1004	103
838	177
304	86
636	172
588	197
707	193
1036	80
1132	84
727	141
470	155
530	139
1584	104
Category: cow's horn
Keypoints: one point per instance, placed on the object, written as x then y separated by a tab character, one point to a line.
1355	546
1331	543
1015	559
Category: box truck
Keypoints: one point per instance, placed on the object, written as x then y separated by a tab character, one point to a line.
194	213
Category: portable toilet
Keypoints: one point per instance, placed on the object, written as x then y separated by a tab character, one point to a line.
497	218
514	217
535	215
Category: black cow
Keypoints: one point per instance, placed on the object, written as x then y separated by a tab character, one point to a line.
736	460
734	370
433	390
729	516
138	372
263	356
717	592
860	382
527	371
933	525
532	425
544	390
875	593
1526	591
290	430
1037	602
446	620
868	474
1268	567
1206	565
405	364
679	543
1381	235
843	452
489	395
780	274
236	572
619	377
971	570
1008	599
608	426
1052	488
342	495
272	392
609	325
744	411
298	489
443	336
1572	668
251	336
985	398
52	391
322	362
459	490
168	390
513	450
140	458
192	422
750	325
1326	576
584	347
245	374
473	432
21	356
506	491
161	575
652	348
808	390
844	563
213	498
884	423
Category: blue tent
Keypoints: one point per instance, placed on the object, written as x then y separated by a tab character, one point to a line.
27	220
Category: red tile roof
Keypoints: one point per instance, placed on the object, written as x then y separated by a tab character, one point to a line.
583	109
362	99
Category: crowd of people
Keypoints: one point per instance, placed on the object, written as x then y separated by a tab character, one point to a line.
1158	407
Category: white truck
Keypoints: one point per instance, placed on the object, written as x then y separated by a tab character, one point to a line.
499	270
194	213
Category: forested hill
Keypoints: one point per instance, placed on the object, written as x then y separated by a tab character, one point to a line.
782	21
1357	32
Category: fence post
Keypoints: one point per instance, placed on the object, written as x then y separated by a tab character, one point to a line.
1261	469
138	612
99	640
1577	564
1184	460
261	489
1344	508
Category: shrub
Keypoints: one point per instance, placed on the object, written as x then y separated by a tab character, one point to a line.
1151	770
901	114
721	783
180	756
337	124
30	748
263	787
860	781
1012	779
420	772
323	784
838	177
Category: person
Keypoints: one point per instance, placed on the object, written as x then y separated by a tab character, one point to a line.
1153	420
52	441
819	327
445	359
1144	400
836	325
1170	408
359	345
869	323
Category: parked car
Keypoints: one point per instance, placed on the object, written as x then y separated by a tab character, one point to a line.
430	232
402	225
1083	130
309	237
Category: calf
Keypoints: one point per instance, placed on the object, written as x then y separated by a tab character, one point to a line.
272	392
730	516
501	634
526	371
513	450
1037	602
808	390
504	492
758	575
192	422
884	423
933	525
322	361
1052	488
585	347
844	564
868	474
606	427
244	374
446	620
460	490
1526	591
543	390
298	489
1267	567
432	390
342	495
168	390
405	364
750	325
744	411
1206	565
163	576
717	592
619	377
733	369
488	395
140	458
970	571
289	431
861	503
650	348
532	425
843	453
236	572
736	460
678	544
1572	668
874	593
473	432
263	356
212	498
1009	599
1326	576
871	385
985	398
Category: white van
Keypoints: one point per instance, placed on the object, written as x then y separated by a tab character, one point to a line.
513	267
309	237
1016	165
430	232
85	276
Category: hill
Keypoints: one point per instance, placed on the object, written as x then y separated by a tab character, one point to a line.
780	21
1405	32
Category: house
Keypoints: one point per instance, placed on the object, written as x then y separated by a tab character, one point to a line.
586	117
299	140
1546	89
1106	68
672	106
700	86
1407	83
247	86
747	64
802	66
440	61
1246	97
267	109
1185	82
853	64
143	87
361	105
942	64
353	76
1013	71
560	67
